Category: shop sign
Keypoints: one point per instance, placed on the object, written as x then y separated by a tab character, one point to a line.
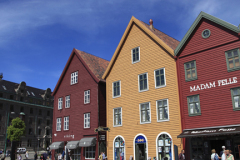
140	139
69	136
218	83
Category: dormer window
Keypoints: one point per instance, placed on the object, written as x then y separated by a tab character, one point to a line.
33	94
28	93
4	87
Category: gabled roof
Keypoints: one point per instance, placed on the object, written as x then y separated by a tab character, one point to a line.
95	66
196	22
167	42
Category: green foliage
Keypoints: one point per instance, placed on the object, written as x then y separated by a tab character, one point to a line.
16	129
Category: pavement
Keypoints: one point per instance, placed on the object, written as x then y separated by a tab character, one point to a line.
30	155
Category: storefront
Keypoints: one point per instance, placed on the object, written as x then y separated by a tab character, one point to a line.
119	148
164	146
57	147
89	147
200	142
141	152
74	151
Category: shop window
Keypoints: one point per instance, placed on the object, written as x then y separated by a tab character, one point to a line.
39	112
90	152
197	148
164	147
116	89
145	113
11	97
233	58
11	108
119	149
136	55
194	105
76	154
162	109
117	116
160	78
143	82
190	71
236	98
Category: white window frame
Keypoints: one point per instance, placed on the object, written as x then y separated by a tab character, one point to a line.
132	54
67	101
60	103
59	123
87	119
164	78
94	148
86	94
139	83
141	113
157	110
66	123
114	117
74	78
119	89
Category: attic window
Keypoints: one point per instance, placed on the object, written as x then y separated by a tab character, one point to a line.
206	33
33	94
4	87
28	93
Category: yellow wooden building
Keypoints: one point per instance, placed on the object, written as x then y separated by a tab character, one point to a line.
143	111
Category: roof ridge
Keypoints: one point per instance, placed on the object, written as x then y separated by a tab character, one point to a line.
92	55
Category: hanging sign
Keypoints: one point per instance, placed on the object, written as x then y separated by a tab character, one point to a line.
140	139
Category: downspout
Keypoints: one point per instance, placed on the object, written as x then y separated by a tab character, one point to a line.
98	118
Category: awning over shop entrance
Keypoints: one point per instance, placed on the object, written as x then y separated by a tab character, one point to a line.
56	145
210	132
87	142
72	144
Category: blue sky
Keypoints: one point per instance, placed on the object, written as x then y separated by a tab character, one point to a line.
37	36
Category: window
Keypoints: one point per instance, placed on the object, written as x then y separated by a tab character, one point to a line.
39	131
59	120
74	77
11	108
135	55
67	102
21	109
165	145
194	105
206	33
1	95
1	106
48	113
190	71
30	131
31	110
21	99
119	148
236	98
143	82
117	89
233	57
117	116
60	101
66	123
162	110
28	93
90	152
87	120
86	96
30	120
39	112
4	87
11	96
145	114
39	122
33	94
29	144
48	122
160	78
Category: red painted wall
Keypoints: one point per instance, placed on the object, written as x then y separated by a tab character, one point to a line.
216	103
77	106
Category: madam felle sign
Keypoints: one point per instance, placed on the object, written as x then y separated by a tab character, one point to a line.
217	83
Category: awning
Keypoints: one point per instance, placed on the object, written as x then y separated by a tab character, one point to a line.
72	144
210	132
56	145
87	142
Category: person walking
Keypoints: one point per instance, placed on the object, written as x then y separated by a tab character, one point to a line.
103	156
19	157
214	155
63	154
223	149
100	156
35	156
223	157
26	155
59	156
50	154
3	156
181	156
229	156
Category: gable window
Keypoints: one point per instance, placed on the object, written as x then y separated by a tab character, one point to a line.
74	77
233	57
117	116
117	89
236	98
160	78
86	96
143	82
59	121
135	54
190	71
162	110
60	101
87	120
90	152
145	114
66	123
67	102
194	105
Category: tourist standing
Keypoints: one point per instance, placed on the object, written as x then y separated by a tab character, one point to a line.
181	156
214	155
229	156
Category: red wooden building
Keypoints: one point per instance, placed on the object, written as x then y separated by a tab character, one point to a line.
208	71
80	107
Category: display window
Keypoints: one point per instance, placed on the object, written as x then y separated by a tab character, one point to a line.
164	146
119	149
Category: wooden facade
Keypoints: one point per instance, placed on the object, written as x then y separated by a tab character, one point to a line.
154	54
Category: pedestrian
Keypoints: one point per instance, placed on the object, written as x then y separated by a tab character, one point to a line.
214	155
50	154
41	157
1	151
26	155
104	156
100	156
181	156
63	154
223	157
19	157
223	149
229	156
59	156
3	156
35	156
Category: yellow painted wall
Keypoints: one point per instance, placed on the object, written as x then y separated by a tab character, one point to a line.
152	57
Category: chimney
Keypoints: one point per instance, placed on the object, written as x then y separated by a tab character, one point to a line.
151	24
1	76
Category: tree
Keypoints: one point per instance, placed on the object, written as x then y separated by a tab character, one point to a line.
16	129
